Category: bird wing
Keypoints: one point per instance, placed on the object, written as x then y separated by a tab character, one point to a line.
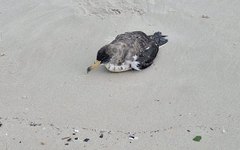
146	57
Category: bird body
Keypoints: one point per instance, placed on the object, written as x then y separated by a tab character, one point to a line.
130	51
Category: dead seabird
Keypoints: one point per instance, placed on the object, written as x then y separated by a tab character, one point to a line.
129	51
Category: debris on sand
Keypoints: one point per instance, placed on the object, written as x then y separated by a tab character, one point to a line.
1	124
116	11
223	130
33	124
76	138
197	138
86	140
205	17
132	137
101	135
66	138
75	130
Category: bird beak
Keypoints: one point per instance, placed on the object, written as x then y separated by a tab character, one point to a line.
93	66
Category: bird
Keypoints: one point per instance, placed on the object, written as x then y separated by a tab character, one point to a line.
129	51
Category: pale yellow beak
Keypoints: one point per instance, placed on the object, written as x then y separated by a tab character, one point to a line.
93	66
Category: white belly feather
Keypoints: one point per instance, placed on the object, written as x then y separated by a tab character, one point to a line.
118	68
127	65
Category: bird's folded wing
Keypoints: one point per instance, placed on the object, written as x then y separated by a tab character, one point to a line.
147	56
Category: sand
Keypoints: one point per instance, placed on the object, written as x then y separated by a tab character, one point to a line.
47	101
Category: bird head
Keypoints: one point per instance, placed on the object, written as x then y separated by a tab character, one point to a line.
102	58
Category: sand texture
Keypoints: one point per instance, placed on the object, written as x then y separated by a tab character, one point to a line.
48	102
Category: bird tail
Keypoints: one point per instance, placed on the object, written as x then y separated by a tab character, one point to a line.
159	38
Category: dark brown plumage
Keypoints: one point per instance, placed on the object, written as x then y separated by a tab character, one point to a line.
131	50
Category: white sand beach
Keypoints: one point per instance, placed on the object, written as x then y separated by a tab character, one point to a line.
49	102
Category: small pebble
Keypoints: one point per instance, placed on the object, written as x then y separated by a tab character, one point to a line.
205	17
188	131
86	140
66	143
76	138
223	130
101	136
